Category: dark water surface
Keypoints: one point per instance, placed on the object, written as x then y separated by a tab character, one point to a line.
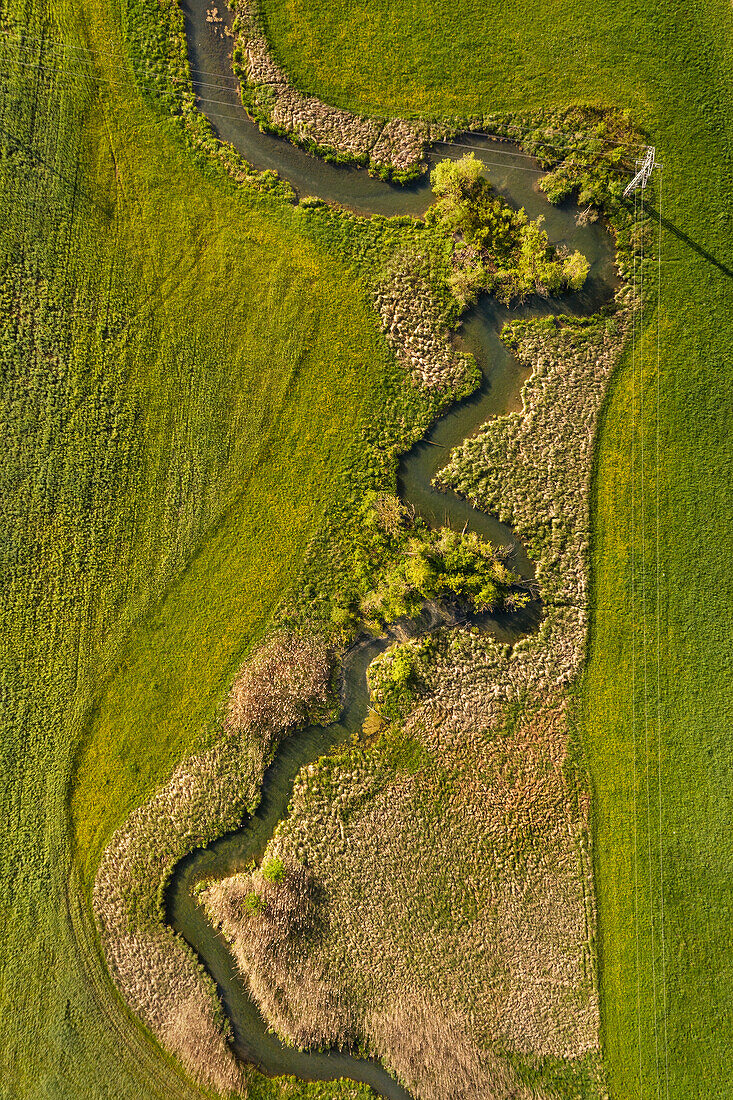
500	392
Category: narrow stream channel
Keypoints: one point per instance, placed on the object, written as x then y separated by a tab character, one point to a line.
499	392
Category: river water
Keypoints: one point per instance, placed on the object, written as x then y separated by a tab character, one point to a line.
515	177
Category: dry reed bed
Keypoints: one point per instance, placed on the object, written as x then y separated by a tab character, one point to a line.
414	323
433	994
394	146
156	972
449	872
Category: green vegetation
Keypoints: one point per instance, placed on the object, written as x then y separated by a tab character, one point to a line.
666	1015
394	681
163	465
398	563
253	903
175	428
448	856
501	252
274	871
141	295
290	1088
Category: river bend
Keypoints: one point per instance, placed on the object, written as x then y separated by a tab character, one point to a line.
515	177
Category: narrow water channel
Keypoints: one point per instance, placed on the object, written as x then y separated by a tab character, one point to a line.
515	177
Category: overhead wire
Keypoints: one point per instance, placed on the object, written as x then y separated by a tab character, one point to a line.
532	156
242	114
659	644
236	117
633	631
59	49
121	62
494	138
497	164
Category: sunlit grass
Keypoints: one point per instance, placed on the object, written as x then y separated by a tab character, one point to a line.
185	378
665	998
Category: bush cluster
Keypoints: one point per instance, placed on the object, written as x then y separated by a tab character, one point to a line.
498	249
398	563
394	681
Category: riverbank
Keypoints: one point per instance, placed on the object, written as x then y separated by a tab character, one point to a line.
661	607
447	383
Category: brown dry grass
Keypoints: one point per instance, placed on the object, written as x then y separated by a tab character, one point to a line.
427	1048
433	1055
395	144
271	946
414	325
156	972
455	874
464	887
274	689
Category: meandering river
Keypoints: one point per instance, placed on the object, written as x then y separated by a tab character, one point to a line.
515	177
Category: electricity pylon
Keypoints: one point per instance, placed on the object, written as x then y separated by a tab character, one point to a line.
645	167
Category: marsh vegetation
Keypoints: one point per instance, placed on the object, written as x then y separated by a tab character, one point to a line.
131	564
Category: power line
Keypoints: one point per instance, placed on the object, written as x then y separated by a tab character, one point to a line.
496	164
532	156
61	53
96	78
476	148
659	649
119	61
80	67
59	46
59	49
639	183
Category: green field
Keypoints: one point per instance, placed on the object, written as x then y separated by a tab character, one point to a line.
176	425
664	849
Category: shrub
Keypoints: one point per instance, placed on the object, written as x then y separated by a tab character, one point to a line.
575	270
393	680
253	903
274	871
429	564
500	249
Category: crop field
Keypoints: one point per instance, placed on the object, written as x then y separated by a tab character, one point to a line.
177	428
172	419
656	697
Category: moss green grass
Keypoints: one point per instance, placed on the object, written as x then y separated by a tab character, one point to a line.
663	853
175	426
137	515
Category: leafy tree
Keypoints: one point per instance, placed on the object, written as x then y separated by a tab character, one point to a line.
575	270
499	248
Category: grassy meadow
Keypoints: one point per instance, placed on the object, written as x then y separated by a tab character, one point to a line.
657	705
175	426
